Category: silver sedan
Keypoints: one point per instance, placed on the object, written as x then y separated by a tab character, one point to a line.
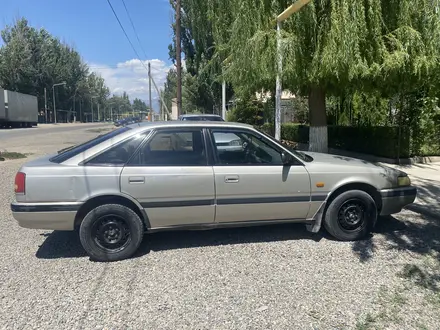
172	175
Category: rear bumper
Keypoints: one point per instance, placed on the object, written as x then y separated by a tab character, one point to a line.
51	216
394	200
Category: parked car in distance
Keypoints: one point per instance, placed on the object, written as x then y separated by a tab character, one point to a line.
201	117
127	121
120	122
156	176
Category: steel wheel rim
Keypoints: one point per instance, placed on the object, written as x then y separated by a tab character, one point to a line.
111	233
352	215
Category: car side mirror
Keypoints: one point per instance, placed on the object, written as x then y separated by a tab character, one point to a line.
286	158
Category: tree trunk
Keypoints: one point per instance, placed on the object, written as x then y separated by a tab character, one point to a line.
318	137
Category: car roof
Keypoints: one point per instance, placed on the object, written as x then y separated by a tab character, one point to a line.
177	123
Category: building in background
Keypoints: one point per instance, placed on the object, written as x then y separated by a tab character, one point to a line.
287	104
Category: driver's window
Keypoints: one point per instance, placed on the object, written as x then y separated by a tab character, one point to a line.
244	148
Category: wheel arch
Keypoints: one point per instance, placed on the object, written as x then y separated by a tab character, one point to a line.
363	186
315	226
124	200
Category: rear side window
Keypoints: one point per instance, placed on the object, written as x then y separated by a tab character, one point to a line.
172	148
66	154
119	154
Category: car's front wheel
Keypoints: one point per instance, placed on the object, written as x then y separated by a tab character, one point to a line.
111	232
351	215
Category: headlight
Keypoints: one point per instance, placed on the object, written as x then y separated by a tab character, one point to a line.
403	181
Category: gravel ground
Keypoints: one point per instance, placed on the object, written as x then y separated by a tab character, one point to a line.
275	277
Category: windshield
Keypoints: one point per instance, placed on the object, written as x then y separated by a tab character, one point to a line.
69	152
301	155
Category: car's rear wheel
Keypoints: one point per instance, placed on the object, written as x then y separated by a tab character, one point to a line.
111	232
351	215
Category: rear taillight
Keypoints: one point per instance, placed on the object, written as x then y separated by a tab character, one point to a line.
20	182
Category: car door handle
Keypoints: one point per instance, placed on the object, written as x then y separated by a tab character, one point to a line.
232	179
136	179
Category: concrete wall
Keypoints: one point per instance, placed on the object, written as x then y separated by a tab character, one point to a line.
21	107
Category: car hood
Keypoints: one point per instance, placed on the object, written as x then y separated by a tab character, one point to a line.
338	160
344	162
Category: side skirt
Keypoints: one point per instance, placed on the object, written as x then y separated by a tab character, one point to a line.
210	226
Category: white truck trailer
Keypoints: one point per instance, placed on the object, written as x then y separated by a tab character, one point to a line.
18	109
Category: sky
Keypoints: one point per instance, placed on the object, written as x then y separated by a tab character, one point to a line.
91	27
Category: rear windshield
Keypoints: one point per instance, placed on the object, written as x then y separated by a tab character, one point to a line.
65	154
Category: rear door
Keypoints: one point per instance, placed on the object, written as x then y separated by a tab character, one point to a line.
252	184
170	177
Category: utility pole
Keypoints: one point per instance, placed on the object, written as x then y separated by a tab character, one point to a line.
54	106
98	111
279	88
111	114
224	100
178	60
74	107
149	86
45	103
92	107
160	96
295	7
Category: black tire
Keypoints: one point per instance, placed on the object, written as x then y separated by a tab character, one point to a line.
111	232
351	215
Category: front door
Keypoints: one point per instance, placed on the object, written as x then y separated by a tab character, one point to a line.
251	182
171	178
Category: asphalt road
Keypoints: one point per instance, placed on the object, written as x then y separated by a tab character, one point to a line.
44	129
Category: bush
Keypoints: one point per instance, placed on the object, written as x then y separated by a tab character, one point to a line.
289	131
249	111
378	141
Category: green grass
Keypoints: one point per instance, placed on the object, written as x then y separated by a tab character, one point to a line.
391	305
367	323
12	155
425	274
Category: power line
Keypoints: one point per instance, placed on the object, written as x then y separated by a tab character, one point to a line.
134	29
134	49
115	66
126	35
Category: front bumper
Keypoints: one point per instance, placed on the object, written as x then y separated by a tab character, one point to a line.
394	200
51	216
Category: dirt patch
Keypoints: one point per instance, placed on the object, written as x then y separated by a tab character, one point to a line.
100	130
